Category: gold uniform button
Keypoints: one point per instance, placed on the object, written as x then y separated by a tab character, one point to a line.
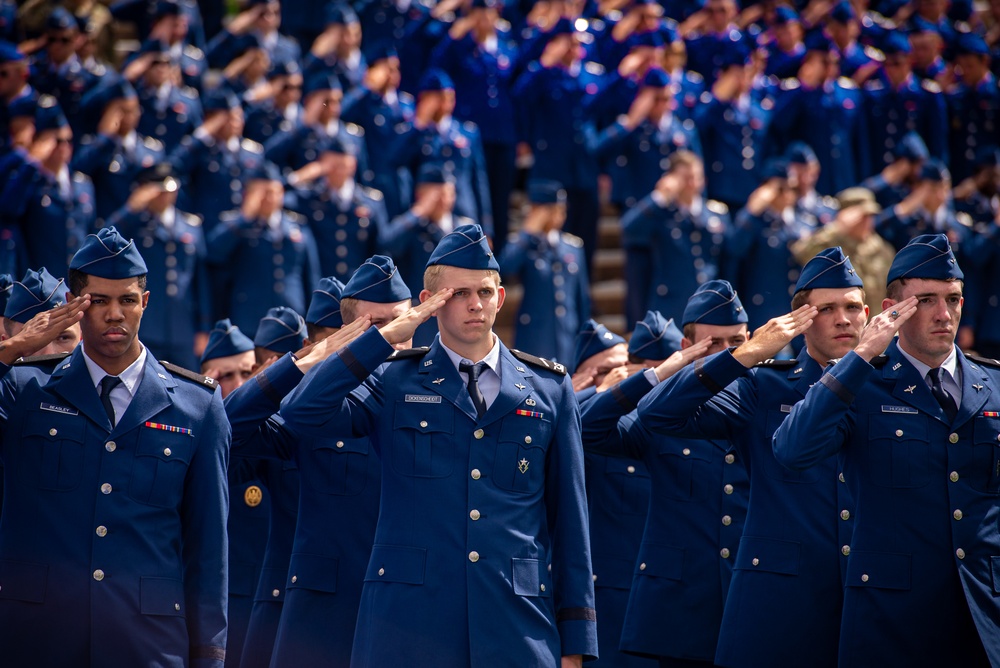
953	438
295	578
840	477
724	553
340	444
110	446
101	531
957	514
728	489
899	432
960	553
630	469
474	515
845	514
846	550
276	593
177	607
479	433
864	577
473	556
476	475
642	566
98	575
423	423
167	452
541	587
953	476
756	561
53	432
106	488
730	458
686	451
527	439
726	520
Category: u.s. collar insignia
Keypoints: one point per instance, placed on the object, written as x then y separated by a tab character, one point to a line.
519	386
978	387
895	367
519	368
799	370
910	389
438	381
530	401
428	362
522	466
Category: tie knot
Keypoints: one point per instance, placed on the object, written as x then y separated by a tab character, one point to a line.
935	375
472	369
109	383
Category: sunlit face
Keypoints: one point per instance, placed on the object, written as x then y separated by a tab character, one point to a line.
131	112
836	329
929	334
110	325
230	371
467	318
383	314
61	44
723	336
604	362
67	340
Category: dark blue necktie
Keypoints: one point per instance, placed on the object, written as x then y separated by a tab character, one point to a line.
109	383
943	397
478	400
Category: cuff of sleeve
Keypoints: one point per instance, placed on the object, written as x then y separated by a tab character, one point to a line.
851	372
630	391
279	379
720	369
579	636
366	353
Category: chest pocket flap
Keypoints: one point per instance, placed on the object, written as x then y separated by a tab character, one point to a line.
422	445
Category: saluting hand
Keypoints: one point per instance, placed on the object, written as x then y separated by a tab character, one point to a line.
881	329
43	329
402	328
768	340
312	355
682	358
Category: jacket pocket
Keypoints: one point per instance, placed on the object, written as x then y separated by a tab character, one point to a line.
531	577
161	596
314	572
51	452
393	563
880	570
769	555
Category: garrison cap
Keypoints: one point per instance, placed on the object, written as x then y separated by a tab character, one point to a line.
281	330
38	291
324	307
927	256
714	303
830	268
226	340
466	247
655	337
108	254
594	338
377	280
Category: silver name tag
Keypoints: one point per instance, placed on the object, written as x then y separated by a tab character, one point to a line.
906	410
65	410
422	399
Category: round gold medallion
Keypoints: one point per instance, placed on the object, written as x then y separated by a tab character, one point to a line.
253	496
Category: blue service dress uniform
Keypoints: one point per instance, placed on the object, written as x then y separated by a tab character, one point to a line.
264	120
53	218
68	83
556	301
226	47
784	602
481	553
339	489
733	138
408	25
113	163
302	144
671	251
213	175
697	507
345	230
169	117
383	120
923	558
82	581
266	265
972	122
179	305
917	106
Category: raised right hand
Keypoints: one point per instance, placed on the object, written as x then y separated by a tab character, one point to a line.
769	339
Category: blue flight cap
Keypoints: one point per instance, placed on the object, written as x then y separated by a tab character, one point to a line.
377	280
776	168
544	191
49	115
162	173
283	68
6	284
61	19
912	147
338	143
435	80
830	268
38	291
934	170
800	153
843	12
9	53
316	80
817	40
435	172
166	8
648	39
115	88
466	248
594	338
341	14
226	340
264	171
281	330
381	50
656	78
655	337
783	14
108	254
971	44
324	307
714	303
895	42
221	98
927	256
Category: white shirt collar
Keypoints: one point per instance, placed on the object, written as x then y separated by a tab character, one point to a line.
345	194
950	364
492	358
169	217
130	376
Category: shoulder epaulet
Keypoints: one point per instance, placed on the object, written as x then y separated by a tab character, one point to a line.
874	84
354	129
407	354
192	219
572	240
594	68
789	84
252	146
777	364
964	219
984	361
372	193
200	379
41	360
879	362
80	177
874	54
930	85
152	144
716	206
554	367
847	82
694	77
191	51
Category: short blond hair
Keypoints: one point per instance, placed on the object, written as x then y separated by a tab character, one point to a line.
433	274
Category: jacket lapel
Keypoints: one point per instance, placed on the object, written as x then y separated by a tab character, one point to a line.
909	386
440	376
151	396
71	380
515	387
975	390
